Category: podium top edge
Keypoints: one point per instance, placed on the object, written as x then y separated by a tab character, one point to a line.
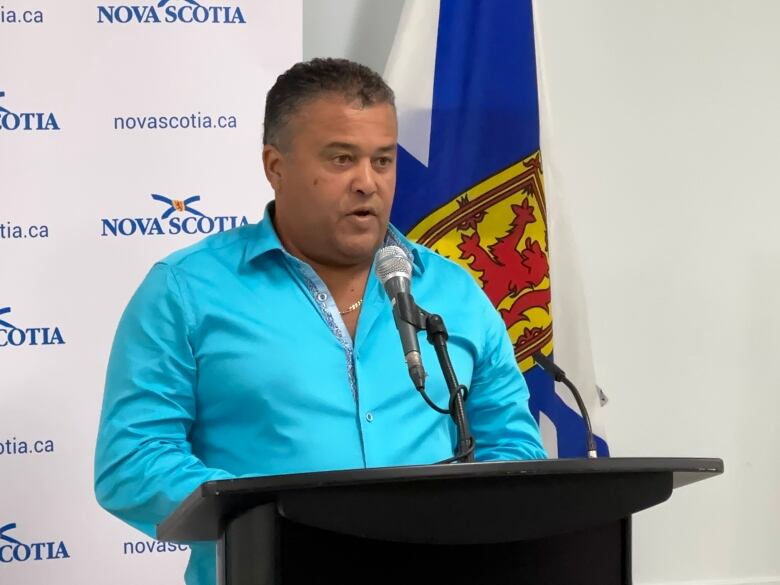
704	467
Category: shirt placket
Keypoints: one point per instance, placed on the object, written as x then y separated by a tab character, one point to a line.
330	314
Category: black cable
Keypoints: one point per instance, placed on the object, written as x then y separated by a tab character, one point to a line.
464	392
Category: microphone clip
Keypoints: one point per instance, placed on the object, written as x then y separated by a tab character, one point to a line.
407	310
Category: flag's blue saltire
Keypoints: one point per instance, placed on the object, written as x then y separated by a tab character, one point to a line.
485	118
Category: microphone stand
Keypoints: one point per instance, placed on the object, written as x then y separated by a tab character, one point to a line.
559	375
437	337
407	310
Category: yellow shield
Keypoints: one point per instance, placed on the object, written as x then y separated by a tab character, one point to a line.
497	230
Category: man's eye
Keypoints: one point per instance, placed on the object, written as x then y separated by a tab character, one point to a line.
384	161
342	159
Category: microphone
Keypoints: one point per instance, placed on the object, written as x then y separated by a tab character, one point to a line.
560	376
394	271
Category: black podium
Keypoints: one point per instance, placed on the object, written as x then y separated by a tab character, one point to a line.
559	521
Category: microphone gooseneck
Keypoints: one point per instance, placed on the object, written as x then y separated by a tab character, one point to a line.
559	375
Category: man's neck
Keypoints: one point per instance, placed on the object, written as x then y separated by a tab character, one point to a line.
347	284
338	274
339	278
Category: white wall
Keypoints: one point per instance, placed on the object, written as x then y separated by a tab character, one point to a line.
664	139
666	125
357	29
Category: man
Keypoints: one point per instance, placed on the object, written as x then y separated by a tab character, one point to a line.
271	349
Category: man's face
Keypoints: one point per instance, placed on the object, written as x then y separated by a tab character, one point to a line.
334	179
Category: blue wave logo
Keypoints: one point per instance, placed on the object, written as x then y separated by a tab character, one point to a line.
4	323
178	205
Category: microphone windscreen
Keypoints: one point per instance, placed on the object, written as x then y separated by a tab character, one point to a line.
392	261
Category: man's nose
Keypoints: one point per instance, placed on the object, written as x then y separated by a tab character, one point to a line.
364	181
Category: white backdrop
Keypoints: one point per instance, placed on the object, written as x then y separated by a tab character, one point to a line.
94	78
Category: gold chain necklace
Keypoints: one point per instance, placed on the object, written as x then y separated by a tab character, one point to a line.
352	307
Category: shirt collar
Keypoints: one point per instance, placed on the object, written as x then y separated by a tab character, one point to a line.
265	239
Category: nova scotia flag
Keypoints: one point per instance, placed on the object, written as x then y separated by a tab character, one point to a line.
470	178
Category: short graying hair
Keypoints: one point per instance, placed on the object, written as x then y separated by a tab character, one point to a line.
311	79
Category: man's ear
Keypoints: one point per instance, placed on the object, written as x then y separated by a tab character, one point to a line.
273	164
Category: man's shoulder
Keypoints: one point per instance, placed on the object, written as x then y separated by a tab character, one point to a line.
221	247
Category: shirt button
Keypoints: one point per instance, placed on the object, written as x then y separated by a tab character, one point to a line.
322	297
369	416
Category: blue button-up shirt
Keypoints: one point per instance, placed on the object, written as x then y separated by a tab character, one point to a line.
231	359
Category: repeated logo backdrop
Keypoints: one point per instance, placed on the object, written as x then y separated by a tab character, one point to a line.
127	131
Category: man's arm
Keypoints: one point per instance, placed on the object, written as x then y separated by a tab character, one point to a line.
497	406
144	466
